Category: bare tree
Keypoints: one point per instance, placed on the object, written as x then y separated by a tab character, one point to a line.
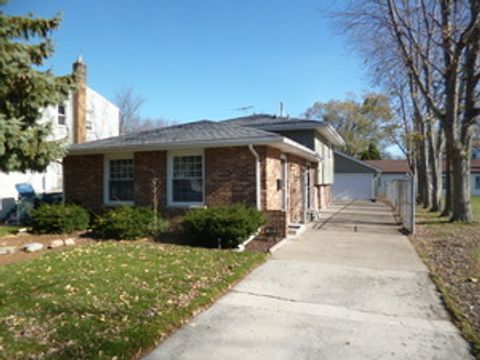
435	44
130	104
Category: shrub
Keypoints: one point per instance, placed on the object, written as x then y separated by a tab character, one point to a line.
59	218
129	223
231	225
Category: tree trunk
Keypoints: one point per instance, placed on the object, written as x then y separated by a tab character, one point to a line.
435	157
461	199
424	178
447	209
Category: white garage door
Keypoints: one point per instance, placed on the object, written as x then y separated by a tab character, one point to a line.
353	186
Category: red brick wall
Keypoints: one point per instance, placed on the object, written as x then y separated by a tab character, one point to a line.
272	195
296	169
230	176
150	165
276	220
325	196
83	179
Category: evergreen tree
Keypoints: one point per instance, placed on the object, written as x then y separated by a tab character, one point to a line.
371	153
25	90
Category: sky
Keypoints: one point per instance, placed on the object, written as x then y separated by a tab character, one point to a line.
204	59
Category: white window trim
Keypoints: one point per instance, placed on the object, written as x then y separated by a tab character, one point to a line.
106	178
57	123
170	155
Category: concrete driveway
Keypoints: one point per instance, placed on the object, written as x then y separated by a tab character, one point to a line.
350	287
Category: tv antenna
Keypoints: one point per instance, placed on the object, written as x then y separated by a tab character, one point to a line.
244	109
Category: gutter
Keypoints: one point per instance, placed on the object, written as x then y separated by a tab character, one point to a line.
257	176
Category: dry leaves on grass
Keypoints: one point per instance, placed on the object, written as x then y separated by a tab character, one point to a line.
108	299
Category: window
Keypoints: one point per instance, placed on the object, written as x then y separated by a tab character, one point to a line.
120	180
61	115
186	179
477	182
89	120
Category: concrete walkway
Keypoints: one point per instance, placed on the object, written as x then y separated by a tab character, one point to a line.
351	287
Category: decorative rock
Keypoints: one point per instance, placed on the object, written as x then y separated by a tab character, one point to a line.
56	243
69	242
33	247
5	250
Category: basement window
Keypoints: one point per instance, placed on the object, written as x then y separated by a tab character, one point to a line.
477	182
61	115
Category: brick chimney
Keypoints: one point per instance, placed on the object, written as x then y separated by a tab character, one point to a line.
80	103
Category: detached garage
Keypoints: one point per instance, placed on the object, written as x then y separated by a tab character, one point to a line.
354	179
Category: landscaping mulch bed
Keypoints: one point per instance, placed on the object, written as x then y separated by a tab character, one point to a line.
21	239
452	253
262	243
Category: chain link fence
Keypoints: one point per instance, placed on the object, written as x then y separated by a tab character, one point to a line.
400	194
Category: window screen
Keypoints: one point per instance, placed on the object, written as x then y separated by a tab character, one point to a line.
187	179
121	180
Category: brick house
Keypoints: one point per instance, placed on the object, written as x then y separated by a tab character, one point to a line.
208	163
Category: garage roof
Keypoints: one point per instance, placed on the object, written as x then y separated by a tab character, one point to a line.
346	164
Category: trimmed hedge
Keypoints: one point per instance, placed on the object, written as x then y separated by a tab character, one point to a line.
227	225
59	218
129	223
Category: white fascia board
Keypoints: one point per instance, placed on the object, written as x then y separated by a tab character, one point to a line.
331	134
324	129
292	147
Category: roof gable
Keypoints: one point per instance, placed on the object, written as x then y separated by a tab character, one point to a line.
346	164
277	123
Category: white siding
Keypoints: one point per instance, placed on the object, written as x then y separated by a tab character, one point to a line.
104	116
325	168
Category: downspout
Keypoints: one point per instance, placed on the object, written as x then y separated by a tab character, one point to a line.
257	176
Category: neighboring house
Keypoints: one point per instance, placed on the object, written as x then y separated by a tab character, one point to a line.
85	116
389	170
207	163
475	152
354	179
475	177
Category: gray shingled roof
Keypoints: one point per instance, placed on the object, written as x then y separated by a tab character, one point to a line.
194	132
265	121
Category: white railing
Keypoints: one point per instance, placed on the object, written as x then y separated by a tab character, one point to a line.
400	194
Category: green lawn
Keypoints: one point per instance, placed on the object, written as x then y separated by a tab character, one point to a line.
109	300
7	229
476	207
